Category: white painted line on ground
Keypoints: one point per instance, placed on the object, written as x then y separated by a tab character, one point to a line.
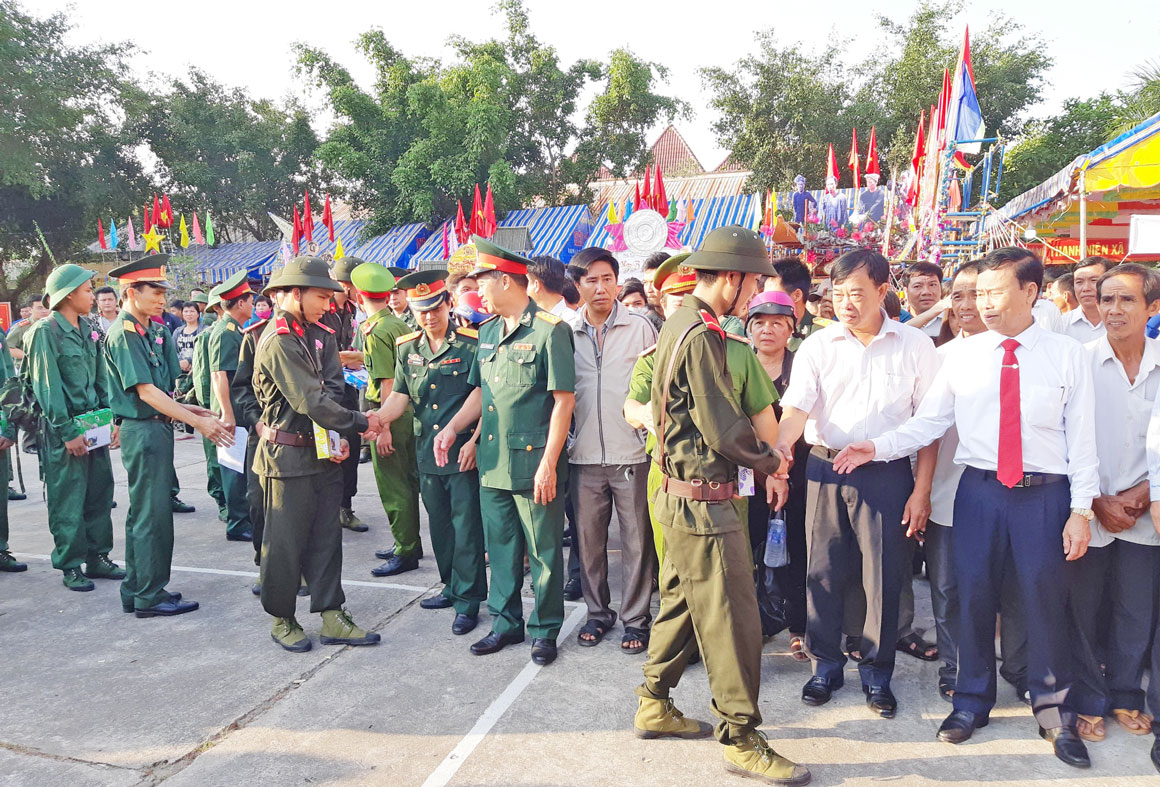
494	712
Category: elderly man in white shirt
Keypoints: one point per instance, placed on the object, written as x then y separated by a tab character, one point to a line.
855	379
1085	323
1023	403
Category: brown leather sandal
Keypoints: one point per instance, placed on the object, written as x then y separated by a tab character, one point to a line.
1133	721
1091	728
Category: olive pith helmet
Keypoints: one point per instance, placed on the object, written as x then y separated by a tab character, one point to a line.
235	286
62	281
304	272
344	267
490	258
426	290
201	298
674	276
150	270
373	280
732	248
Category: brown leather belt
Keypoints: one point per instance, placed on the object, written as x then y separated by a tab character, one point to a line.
703	491
283	438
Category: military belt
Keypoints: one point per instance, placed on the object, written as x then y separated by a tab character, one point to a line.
283	438
703	491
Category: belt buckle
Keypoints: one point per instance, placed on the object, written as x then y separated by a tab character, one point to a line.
1025	481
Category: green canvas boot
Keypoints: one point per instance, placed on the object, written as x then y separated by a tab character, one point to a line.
103	568
347	519
752	756
339	629
75	580
9	563
287	633
661	719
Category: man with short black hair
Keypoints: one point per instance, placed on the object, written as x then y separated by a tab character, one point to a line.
648	279
107	307
791	276
1084	323
923	293
546	279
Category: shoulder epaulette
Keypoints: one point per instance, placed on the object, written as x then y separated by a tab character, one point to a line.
255	326
822	322
470	333
408	337
231	326
548	317
129	325
711	321
325	327
367	327
281	326
647	351
736	338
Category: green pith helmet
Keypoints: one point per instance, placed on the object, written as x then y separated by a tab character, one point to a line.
373	280
201	298
62	281
344	267
304	272
732	248
398	272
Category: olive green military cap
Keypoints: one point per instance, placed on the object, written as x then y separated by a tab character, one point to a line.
150	270
304	272
426	290
344	267
201	298
490	258
732	248
398	272
214	302
674	276
236	285
373	280
62	281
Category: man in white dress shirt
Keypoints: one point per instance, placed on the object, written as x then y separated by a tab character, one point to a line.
852	380
1085	324
1022	400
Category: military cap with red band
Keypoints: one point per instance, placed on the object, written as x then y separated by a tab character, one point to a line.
150	270
426	290
673	277
490	258
236	286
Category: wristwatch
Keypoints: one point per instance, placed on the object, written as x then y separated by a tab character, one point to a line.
1086	513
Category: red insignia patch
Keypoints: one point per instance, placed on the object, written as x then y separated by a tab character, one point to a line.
140	329
280	325
711	321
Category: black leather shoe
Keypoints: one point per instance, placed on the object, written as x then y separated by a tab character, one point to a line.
256	589
1022	693
172	596
436	602
180	507
14	495
364	455
395	565
463	624
1156	753
245	535
572	590
1069	747
818	690
167	608
385	554
880	699
494	643
543	651
961	725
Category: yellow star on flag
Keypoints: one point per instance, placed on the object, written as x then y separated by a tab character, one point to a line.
152	240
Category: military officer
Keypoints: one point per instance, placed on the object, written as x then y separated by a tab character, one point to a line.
63	362
431	373
201	378
707	576
526	379
396	473
398	300
341	318
223	345
302	491
139	381
7	440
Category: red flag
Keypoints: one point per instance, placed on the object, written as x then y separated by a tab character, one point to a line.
636	199
328	218
660	199
462	233
855	160
476	225
832	164
488	214
148	221
446	242
296	238
307	219
101	235
166	212
157	222
872	155
646	192
919	142
944	100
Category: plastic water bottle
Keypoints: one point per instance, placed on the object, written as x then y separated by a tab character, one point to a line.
776	551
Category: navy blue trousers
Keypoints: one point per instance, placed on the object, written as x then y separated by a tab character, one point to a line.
994	525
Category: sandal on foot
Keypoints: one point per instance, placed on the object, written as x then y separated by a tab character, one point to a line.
594	629
633	634
853	649
1133	721
914	645
797	649
1090	728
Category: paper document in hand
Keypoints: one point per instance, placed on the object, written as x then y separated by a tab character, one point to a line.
234	457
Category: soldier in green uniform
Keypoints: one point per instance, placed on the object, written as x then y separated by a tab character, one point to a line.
63	362
341	319
431	373
302	491
160	335
526	376
706	579
7	440
396	473
139	381
223	346
398	300
201	394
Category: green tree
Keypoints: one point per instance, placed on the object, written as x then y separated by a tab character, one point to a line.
66	154
239	158
1143	100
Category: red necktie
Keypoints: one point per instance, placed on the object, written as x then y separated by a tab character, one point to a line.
1010	439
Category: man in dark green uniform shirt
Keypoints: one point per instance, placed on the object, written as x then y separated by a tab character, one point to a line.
201	393
302	489
431	373
63	361
398	300
139	381
225	342
706	578
526	376
7	440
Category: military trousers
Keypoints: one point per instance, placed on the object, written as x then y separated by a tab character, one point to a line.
302	538
350	400
513	524
254	495
397	478
708	599
237	506
213	473
147	445
79	493
5	477
452	503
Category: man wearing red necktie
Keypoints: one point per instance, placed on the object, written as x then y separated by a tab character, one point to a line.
1022	399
